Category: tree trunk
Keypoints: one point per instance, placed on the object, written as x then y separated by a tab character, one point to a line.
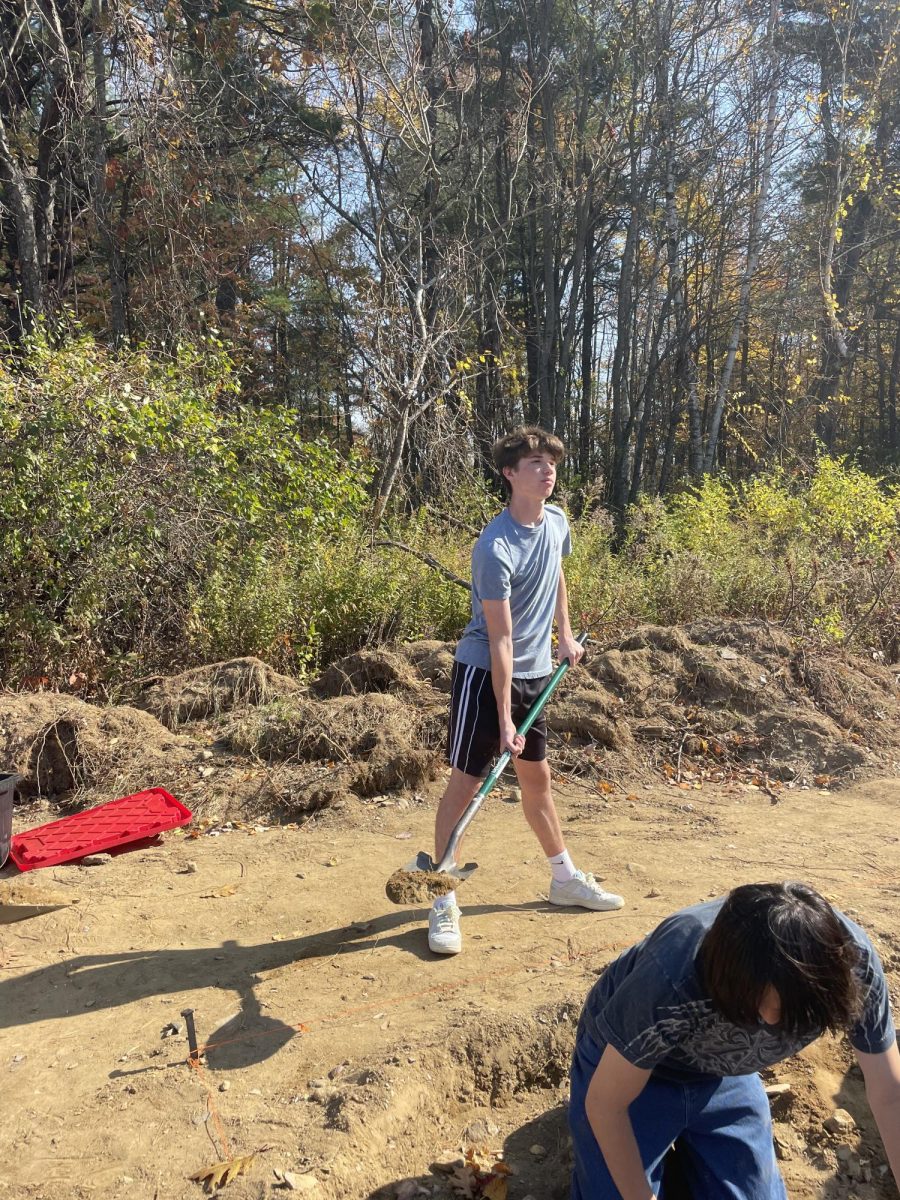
892	438
585	416
109	246
621	373
391	467
21	204
754	243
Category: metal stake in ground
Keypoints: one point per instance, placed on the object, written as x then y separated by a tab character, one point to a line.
191	1029
422	879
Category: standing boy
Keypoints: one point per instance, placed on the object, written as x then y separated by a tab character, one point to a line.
502	664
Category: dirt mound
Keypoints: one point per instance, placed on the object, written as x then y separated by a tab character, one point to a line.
432	660
733	691
373	743
367	671
591	713
61	745
210	690
699	701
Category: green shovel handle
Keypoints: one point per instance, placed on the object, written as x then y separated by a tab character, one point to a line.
501	764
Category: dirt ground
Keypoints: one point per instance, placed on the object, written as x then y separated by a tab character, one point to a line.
353	1063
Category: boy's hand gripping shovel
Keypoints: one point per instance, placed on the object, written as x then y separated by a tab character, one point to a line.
423	879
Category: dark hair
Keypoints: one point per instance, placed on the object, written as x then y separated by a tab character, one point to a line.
788	936
509	450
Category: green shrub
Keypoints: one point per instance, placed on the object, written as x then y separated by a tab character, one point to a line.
816	550
132	480
150	518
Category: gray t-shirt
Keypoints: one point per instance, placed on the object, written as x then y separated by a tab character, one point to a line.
519	563
650	1005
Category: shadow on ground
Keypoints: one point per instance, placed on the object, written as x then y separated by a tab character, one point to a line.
92	982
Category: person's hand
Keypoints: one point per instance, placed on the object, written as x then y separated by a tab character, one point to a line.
510	740
570	648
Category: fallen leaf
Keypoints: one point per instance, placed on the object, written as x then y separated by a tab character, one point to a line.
495	1189
220	1173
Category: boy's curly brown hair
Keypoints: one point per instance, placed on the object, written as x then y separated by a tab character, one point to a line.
509	450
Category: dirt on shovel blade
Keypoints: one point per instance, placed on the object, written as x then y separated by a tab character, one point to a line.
417	887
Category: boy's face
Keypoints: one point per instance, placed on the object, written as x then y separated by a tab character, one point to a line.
770	1006
533	476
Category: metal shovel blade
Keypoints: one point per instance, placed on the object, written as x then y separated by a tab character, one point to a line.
424	862
421	882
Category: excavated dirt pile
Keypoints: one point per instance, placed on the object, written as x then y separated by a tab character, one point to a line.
364	744
211	690
709	695
704	698
735	691
62	746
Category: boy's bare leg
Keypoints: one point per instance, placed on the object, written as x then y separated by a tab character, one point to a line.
537	805
459	791
570	886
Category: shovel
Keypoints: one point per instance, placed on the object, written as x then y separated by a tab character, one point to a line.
423	879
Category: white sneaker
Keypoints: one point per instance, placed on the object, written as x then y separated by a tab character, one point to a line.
585	892
443	930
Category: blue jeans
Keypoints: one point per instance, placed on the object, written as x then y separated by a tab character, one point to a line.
722	1127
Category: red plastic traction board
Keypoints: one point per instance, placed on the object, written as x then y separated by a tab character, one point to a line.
130	819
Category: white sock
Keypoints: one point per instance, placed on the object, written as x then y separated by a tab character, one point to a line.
562	867
444	901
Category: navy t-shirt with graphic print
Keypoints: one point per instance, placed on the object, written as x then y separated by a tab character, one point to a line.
650	1005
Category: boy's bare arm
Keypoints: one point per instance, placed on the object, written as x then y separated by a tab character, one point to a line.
498	619
882	1075
615	1084
569	648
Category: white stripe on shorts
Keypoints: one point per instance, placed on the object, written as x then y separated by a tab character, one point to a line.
475	721
461	714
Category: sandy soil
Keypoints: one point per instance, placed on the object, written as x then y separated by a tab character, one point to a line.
335	1041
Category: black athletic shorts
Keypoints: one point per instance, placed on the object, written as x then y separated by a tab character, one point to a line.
474	736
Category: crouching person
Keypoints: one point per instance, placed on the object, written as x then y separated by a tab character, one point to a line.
673	1034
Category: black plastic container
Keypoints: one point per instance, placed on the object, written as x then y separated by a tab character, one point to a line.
8	783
